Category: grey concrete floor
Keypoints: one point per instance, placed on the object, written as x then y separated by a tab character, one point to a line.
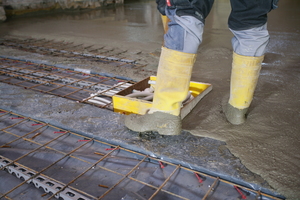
267	145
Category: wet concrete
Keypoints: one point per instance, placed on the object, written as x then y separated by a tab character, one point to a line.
200	153
121	26
268	144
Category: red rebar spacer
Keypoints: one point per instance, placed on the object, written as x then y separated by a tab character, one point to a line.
161	165
36	124
239	191
17	118
108	149
59	132
198	177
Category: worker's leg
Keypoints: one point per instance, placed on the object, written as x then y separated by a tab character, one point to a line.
177	58
171	88
248	23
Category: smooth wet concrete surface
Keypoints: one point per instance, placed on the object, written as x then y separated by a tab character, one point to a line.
264	150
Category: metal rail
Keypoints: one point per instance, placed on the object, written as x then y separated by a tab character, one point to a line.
69	166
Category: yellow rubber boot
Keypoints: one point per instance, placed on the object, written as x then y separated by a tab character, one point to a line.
171	88
244	77
172	82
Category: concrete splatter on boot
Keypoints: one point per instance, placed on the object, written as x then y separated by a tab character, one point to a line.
244	77
234	115
163	123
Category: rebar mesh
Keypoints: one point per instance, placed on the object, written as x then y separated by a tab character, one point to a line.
67	165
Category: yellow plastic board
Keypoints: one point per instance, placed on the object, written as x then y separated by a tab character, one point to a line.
127	105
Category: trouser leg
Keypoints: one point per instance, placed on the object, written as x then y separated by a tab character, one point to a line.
247	14
184	33
186	24
250	42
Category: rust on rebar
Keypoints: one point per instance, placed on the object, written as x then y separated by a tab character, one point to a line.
35	135
5	146
100	154
211	188
104	186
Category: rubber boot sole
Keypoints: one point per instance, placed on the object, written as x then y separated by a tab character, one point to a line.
234	115
163	123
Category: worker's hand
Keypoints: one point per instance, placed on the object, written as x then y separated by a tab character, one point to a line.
161	6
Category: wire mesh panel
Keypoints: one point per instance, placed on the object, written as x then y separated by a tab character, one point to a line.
75	85
112	56
41	161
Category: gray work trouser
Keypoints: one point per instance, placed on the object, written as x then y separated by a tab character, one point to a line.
185	33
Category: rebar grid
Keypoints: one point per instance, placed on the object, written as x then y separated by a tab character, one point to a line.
20	132
75	85
60	48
